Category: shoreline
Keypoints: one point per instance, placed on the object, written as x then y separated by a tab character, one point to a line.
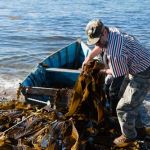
9	94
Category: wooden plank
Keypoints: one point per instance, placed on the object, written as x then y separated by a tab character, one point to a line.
44	91
63	70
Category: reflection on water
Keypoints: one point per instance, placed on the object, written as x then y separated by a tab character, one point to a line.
30	29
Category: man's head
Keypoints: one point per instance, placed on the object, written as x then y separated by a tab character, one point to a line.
97	33
94	31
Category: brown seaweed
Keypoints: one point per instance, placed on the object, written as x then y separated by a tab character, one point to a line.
85	125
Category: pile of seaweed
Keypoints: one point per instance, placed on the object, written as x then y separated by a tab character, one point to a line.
86	125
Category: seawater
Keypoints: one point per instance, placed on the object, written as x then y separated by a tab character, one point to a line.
32	29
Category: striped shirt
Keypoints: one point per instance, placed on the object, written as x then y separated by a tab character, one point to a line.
125	54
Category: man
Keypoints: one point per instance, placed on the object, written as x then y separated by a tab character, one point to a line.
125	56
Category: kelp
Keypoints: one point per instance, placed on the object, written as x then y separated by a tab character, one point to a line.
26	129
63	135
86	125
89	93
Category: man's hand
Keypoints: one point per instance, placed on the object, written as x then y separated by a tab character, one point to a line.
83	64
103	71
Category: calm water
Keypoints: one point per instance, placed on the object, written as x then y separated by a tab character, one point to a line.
32	29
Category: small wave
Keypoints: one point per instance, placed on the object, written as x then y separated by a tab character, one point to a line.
8	87
60	38
7	82
14	17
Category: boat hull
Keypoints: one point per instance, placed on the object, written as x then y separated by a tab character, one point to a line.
59	70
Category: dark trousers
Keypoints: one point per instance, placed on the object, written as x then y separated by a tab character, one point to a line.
112	91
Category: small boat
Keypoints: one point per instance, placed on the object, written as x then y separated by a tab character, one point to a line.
55	74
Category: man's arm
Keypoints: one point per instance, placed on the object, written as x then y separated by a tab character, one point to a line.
94	53
108	71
